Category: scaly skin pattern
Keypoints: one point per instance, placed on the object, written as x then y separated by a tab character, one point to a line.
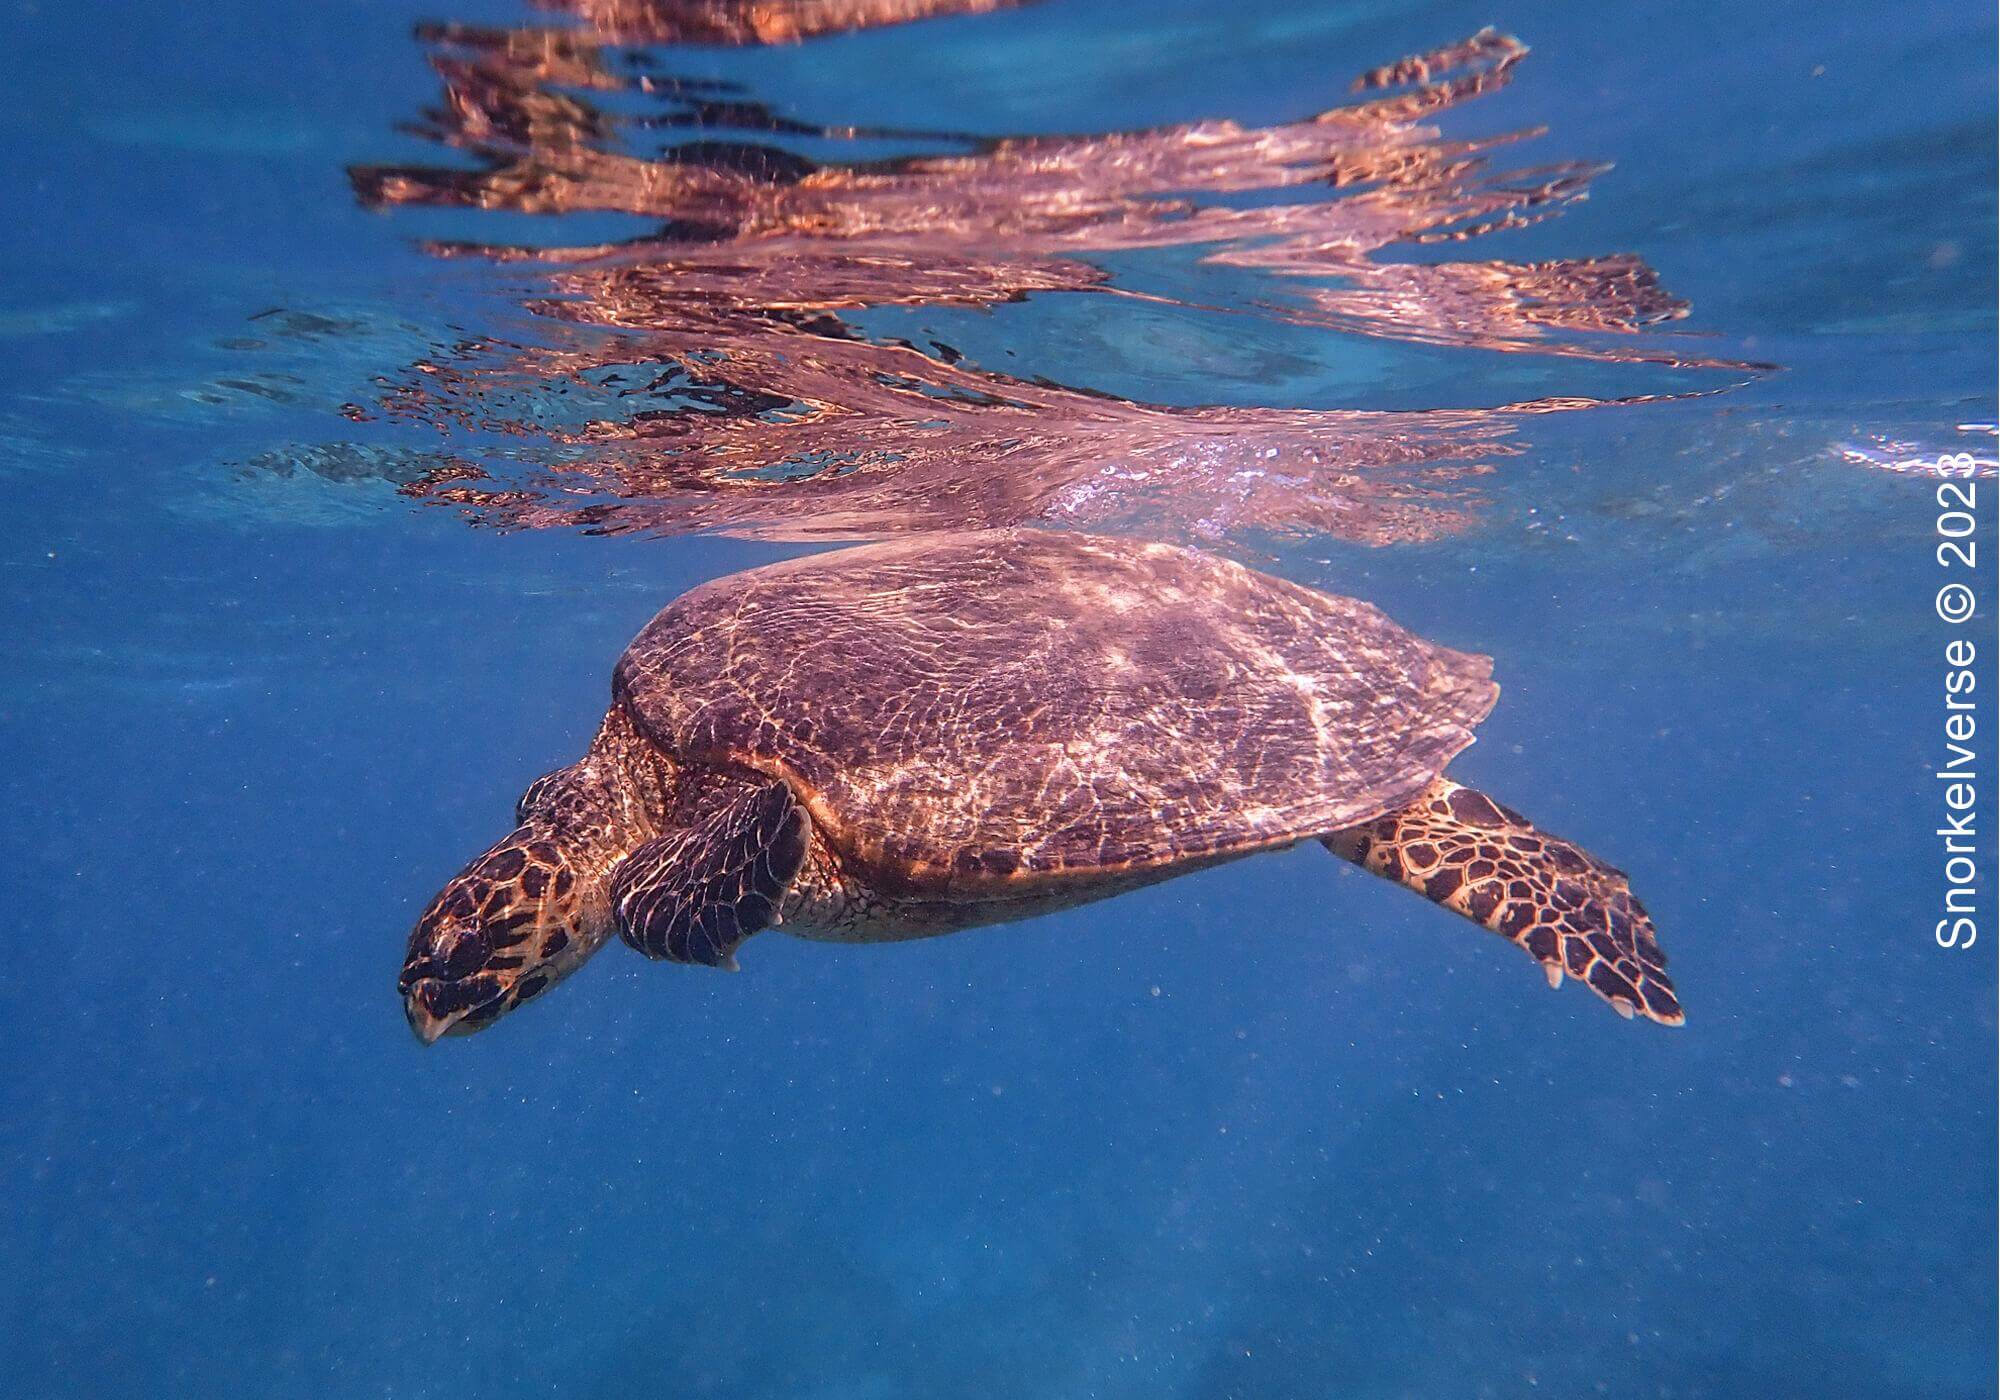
1576	915
719	872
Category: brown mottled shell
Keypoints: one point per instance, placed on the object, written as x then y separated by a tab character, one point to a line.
968	714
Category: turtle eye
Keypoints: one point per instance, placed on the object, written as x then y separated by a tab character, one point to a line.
416	970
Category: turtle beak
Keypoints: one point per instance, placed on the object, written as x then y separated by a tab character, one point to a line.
445	984
429	1028
440	1006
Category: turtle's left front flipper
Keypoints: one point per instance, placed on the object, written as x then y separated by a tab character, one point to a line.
717	876
1577	915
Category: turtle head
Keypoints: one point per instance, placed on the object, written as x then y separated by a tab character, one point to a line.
536	905
525	914
506	928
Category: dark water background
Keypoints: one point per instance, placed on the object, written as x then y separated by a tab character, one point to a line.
1275	1130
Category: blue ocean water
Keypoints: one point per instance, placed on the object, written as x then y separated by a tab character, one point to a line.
1277	1129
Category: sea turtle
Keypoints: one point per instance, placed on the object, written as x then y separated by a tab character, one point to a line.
911	738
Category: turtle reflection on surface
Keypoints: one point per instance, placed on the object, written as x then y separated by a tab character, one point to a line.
733	369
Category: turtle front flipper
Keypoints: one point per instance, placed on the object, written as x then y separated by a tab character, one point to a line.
717	876
1577	915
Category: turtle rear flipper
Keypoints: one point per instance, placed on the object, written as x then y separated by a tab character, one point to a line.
718	876
1574	913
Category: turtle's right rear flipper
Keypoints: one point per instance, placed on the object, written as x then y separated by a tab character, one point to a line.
1574	913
